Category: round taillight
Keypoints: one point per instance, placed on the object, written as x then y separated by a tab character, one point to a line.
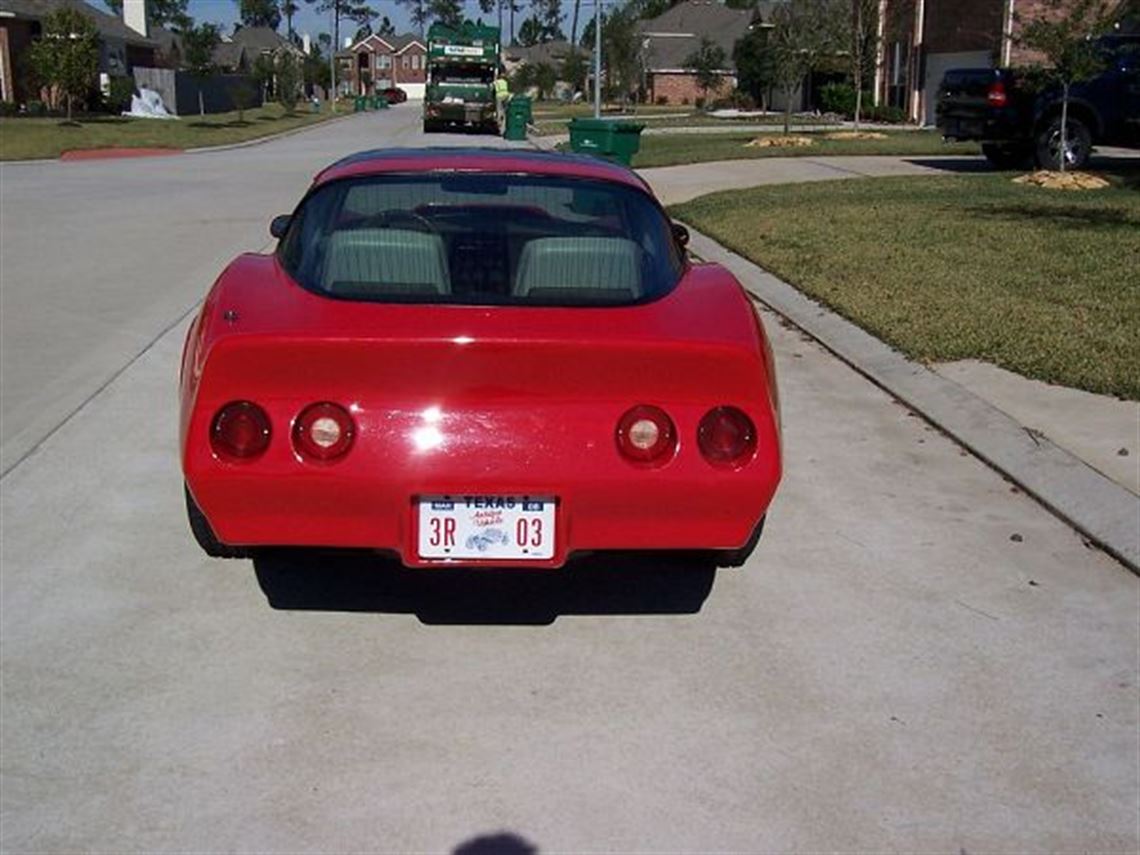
323	432
646	434
727	437
240	431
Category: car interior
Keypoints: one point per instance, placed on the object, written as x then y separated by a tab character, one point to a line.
479	250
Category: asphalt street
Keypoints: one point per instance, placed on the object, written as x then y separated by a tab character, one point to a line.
917	658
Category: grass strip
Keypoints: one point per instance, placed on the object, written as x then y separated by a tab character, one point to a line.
1045	283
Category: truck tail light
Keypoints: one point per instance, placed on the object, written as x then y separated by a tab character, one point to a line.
323	432
996	95
240	431
727	437
646	434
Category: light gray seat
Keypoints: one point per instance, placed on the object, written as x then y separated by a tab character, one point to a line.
380	262
604	268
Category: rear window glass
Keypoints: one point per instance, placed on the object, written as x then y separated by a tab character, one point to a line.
478	238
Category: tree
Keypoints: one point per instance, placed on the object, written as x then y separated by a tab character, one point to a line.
545	79
574	23
1065	36
864	46
386	28
804	35
706	63
198	45
530	33
549	15
287	80
259	13
66	57
621	53
315	67
165	13
755	66
355	11
522	79
289	8
417	13
244	95
448	12
575	70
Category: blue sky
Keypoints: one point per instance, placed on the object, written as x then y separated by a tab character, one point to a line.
224	12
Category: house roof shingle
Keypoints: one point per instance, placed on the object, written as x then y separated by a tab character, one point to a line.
673	36
552	53
261	40
109	26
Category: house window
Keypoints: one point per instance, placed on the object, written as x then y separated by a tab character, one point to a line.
405	62
415	61
385	61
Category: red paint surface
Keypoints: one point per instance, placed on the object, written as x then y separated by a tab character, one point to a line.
112	153
478	400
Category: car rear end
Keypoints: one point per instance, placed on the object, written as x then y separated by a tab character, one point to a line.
532	371
979	104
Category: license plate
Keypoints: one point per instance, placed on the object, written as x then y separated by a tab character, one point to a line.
517	528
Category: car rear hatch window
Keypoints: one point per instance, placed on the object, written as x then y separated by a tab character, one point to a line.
478	238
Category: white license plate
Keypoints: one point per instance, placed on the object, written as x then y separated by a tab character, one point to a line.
486	527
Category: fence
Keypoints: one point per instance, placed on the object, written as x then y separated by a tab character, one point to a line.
179	90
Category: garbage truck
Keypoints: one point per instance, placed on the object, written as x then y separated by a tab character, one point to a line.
462	67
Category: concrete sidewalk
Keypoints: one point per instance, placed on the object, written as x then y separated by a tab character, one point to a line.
676	184
1095	505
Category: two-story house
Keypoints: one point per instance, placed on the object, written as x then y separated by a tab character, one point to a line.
379	62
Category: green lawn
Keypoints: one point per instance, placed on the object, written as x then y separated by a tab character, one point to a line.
1042	282
676	117
670	149
24	138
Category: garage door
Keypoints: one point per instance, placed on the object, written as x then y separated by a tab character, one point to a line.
937	64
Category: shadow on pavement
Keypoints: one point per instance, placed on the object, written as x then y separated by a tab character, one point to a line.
598	584
957	165
503	843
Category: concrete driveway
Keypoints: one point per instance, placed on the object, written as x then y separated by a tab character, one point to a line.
917	657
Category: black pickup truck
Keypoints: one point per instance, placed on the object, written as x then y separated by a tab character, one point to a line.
1017	120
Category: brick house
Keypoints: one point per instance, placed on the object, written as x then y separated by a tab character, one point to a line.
121	47
378	62
920	40
669	39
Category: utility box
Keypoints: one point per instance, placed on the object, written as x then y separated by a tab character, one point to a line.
609	138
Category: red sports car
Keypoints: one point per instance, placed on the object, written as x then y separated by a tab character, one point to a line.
478	357
394	95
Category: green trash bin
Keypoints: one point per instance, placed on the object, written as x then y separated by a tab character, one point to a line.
359	104
380	102
609	138
518	117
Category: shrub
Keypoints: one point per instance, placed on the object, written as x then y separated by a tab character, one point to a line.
699	103
9	108
685	101
838	98
884	113
661	100
118	97
37	108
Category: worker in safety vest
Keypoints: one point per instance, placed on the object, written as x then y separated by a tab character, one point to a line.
502	95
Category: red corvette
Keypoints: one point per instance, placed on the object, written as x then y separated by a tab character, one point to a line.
478	357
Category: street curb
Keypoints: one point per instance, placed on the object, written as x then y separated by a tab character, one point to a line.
1097	507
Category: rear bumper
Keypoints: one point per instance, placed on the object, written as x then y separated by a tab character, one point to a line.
676	513
991	127
461	113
